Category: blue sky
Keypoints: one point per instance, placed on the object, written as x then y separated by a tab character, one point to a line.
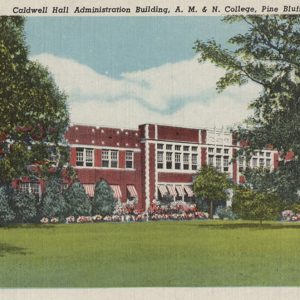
145	65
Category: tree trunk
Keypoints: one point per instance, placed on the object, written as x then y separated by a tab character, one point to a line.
211	210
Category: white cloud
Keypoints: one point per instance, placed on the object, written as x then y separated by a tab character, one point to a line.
182	94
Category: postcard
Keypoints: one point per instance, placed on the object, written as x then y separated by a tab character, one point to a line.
149	149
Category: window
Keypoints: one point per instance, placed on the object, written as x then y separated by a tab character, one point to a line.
169	147
105	158
268	154
225	163
194	149
268	163
30	187
261	162
160	160
110	158
177	147
169	160
186	159
194	161
254	162
84	157
129	159
218	163
177	161
226	151
35	188
261	153
89	157
210	160
219	150
79	156
160	146
114	158
211	150
186	148
241	164
24	187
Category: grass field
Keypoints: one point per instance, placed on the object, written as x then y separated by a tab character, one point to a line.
190	253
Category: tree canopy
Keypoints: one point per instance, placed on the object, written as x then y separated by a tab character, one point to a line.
253	205
268	53
33	110
211	186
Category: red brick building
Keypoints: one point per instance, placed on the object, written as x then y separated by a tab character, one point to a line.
154	160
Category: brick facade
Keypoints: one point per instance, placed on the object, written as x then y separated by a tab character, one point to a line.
164	158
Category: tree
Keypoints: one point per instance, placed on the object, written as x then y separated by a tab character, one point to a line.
281	182
33	110
53	203
268	53
6	213
253	205
211	186
77	201
104	201
24	207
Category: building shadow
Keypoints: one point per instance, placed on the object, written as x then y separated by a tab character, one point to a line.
6	249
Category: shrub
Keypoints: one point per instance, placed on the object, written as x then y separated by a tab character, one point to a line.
53	203
104	202
6	213
226	213
24	206
77	201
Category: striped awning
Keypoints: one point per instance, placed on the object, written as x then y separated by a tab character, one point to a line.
163	190
180	190
189	191
89	189
172	190
117	191
132	191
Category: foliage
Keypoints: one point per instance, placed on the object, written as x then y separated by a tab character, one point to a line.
53	203
33	110
253	205
226	213
77	201
166	199
104	201
268	54
211	186
281	181
6	213
24	207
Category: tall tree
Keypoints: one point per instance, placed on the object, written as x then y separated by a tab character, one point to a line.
211	186
268	53
33	110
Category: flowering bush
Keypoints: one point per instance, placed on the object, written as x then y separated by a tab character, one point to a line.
44	220
54	220
70	219
97	218
84	219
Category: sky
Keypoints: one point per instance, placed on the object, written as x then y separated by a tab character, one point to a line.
126	71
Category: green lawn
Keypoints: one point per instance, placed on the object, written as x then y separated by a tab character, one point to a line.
190	253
